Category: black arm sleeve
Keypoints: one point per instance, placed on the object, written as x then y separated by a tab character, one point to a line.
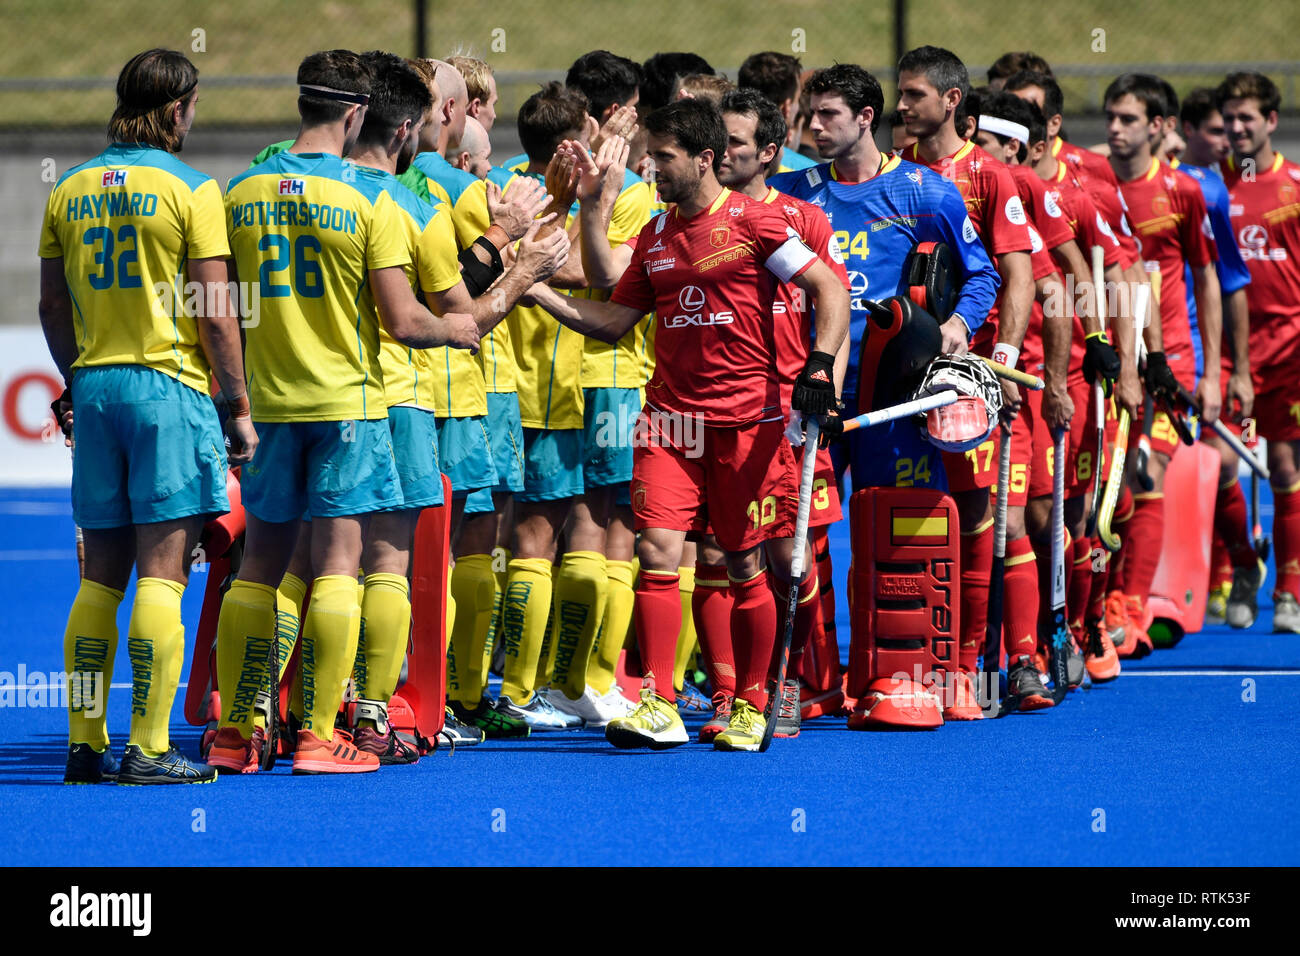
478	277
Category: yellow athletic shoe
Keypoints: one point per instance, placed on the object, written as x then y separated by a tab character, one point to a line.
654	724
745	731
1216	606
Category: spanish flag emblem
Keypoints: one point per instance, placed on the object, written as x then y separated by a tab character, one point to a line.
918	527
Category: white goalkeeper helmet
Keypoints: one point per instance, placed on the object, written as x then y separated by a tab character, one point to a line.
968	422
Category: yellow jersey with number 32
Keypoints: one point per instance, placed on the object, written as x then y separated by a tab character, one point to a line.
305	229
124	223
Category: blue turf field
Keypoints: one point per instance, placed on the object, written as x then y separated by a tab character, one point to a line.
1184	770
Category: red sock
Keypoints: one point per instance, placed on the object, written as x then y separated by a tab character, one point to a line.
1120	526
976	567
1078	586
1230	524
1099	584
1146	535
1220	563
753	636
1020	599
658	617
711	604
1286	540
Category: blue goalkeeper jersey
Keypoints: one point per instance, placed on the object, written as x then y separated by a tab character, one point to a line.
877	224
1232	272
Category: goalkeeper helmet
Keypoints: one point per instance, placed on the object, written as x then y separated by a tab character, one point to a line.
968	422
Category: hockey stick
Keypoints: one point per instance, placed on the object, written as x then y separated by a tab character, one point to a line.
1259	539
1115	475
903	410
1060	632
812	428
1013	374
1229	439
1098	391
1144	446
993	632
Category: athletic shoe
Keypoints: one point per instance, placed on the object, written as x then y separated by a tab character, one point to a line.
720	719
964	703
457	733
816	704
314	755
389	748
1102	660
1140	617
1118	626
1076	671
88	765
486	717
788	710
614	700
1026	685
231	753
538	714
594	710
1216	605
690	697
1286	614
654	724
744	731
1243	605
139	769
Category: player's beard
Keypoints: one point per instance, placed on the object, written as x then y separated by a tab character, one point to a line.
680	187
406	155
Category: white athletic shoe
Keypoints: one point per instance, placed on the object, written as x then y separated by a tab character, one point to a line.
614	700
592	708
1286	614
1242	606
538	714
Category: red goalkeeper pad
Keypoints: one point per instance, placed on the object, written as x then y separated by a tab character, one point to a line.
425	689
1182	581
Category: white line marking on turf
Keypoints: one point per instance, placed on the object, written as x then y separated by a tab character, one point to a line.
1294	672
40	554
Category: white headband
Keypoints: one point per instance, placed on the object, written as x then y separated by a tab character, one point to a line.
1001	127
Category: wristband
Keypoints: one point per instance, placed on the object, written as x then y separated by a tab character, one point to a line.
1004	354
497	240
239	407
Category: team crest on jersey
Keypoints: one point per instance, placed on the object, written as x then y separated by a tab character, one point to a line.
1160	205
718	237
638	497
1287	192
291	187
114	177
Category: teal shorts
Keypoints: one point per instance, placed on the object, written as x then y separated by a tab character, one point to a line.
465	455
415	444
506	435
148	449
609	417
328	469
552	464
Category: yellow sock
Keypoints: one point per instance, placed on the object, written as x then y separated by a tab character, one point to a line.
619	599
329	646
580	590
474	587
245	632
89	646
155	642
546	660
524	612
500	564
386	622
686	636
288	613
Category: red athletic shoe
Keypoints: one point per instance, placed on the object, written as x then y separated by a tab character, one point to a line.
334	756
231	753
1100	656
1117	624
961	701
1139	623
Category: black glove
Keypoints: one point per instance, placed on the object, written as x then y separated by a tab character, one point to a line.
1159	378
59	411
814	389
832	427
1100	358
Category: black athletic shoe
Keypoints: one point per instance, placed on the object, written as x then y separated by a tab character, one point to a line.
789	714
138	769
459	733
1025	684
88	765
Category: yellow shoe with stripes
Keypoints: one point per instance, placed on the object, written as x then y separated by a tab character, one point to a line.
744	731
654	724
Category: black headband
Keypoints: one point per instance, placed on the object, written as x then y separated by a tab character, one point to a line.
325	93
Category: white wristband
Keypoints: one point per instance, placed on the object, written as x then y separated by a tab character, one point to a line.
1006	355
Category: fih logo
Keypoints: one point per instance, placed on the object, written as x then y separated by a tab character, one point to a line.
76	909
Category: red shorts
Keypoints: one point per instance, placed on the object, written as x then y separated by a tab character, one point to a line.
1163	437
974	469
1022	451
741	480
825	506
1277	402
1080	445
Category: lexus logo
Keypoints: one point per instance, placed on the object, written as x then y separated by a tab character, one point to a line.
1253	236
692	298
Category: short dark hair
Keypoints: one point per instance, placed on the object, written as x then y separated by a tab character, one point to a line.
661	71
547	117
604	79
1251	85
969	106
1198	105
775	75
942	68
769	123
336	70
1017	61
397	94
1010	107
1053	100
1171	97
696	125
858	88
1143	87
